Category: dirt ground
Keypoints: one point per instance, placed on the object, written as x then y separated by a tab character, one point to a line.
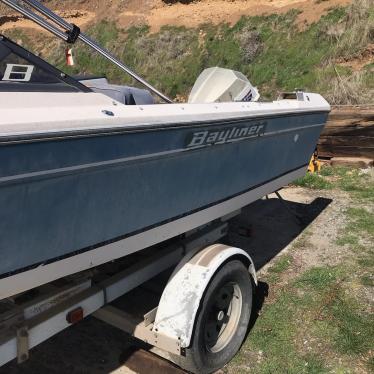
266	229
358	62
158	13
217	11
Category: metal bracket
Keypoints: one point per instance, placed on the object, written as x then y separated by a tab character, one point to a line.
150	317
22	344
73	34
125	322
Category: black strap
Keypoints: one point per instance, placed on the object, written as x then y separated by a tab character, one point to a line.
73	34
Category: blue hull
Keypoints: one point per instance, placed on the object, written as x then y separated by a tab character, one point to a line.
65	195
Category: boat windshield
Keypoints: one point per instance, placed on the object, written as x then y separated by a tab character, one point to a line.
20	70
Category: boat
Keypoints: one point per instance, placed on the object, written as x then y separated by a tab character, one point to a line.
91	172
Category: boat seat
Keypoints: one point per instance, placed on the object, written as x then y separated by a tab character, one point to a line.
124	94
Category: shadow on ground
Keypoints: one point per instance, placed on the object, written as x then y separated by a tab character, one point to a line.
267	226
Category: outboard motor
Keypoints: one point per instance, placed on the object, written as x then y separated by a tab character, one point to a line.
222	85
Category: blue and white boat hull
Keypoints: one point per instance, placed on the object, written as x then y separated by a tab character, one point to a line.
74	197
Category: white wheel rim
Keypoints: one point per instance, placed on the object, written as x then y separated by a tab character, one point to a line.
223	317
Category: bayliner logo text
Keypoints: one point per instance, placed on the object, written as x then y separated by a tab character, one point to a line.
210	137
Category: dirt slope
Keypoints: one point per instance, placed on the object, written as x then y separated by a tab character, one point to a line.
157	13
217	11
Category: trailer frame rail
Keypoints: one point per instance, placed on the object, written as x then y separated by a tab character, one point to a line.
25	326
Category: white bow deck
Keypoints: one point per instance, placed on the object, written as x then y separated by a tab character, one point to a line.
37	113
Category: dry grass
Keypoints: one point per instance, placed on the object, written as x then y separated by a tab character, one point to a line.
166	46
349	89
250	43
360	23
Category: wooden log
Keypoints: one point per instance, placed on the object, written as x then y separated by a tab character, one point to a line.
345	151
349	122
349	132
358	115
359	112
353	107
141	361
352	141
353	162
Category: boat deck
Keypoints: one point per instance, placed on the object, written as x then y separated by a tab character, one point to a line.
56	113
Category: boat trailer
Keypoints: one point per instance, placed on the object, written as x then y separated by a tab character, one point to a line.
28	319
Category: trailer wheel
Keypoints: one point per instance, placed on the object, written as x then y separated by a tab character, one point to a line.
222	321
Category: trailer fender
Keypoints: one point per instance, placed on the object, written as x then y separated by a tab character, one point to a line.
182	295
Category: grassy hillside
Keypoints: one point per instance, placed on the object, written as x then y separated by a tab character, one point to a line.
271	50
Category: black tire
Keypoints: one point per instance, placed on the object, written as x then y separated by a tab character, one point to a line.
202	356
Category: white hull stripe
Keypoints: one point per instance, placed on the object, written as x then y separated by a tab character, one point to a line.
96	165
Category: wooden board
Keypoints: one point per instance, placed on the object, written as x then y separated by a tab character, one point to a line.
143	362
352	141
345	151
349	132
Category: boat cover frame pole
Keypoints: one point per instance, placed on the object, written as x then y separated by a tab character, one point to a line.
72	34
34	17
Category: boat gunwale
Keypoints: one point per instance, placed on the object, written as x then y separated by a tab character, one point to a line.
109	131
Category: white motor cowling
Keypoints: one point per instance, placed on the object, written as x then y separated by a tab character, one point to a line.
222	85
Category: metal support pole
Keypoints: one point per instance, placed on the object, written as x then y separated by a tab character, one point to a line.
35	18
65	36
